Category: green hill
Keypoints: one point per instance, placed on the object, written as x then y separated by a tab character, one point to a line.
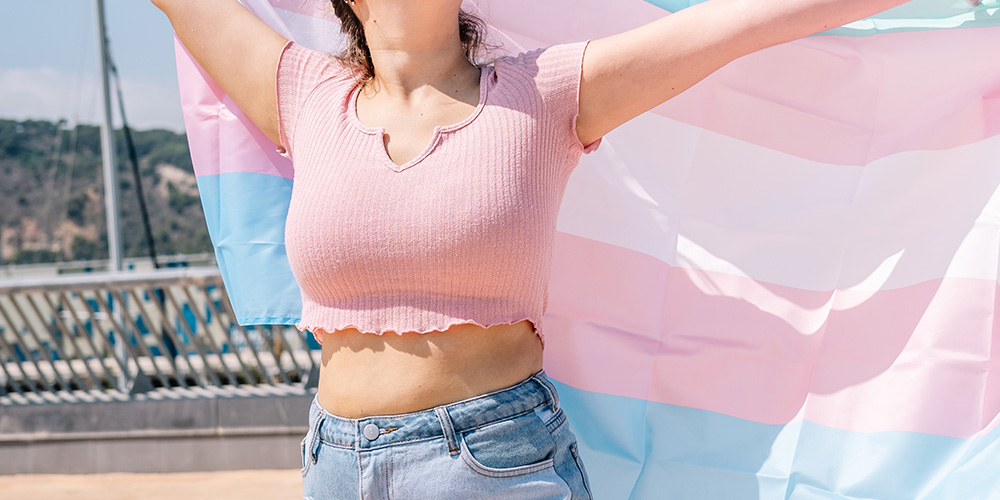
52	194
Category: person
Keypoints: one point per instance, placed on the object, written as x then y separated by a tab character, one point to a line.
423	211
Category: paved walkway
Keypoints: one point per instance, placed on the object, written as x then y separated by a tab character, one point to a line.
242	485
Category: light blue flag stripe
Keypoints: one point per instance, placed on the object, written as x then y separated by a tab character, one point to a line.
916	15
701	455
246	220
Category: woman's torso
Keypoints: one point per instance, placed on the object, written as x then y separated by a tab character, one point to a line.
457	237
387	374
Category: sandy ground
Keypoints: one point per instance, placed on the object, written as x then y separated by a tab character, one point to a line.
242	485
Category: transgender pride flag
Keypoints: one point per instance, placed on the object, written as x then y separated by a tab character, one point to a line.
781	284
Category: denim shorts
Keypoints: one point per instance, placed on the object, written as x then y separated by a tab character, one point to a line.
510	444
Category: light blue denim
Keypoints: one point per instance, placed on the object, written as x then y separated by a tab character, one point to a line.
511	444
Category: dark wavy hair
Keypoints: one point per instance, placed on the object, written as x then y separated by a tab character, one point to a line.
358	57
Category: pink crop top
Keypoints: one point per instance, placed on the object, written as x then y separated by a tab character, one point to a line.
461	234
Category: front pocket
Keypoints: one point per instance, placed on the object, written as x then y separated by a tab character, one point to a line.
498	472
511	447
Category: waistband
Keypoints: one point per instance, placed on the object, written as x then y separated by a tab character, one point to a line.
533	393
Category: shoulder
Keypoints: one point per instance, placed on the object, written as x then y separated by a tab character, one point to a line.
301	68
300	72
551	73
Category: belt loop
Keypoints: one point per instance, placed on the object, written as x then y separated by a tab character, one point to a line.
449	429
542	379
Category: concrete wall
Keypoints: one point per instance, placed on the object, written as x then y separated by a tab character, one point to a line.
168	431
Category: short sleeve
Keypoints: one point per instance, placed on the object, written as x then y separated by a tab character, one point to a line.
557	73
299	72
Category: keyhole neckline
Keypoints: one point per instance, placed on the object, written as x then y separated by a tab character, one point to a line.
379	132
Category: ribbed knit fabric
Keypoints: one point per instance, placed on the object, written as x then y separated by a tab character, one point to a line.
461	234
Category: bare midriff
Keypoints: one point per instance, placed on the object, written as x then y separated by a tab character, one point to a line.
364	374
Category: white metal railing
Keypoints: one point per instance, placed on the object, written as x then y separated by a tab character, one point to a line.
136	331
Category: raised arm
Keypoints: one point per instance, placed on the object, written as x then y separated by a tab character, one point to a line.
237	50
628	74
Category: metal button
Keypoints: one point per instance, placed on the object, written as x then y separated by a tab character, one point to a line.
371	432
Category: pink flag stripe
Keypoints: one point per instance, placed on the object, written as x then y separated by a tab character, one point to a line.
915	359
223	139
698	199
851	101
831	99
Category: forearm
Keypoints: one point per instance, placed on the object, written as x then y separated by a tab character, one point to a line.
655	62
771	22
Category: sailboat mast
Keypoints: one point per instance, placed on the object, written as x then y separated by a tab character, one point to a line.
111	205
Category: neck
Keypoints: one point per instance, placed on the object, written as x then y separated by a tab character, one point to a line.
414	47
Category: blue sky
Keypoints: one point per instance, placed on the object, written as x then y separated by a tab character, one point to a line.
48	67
